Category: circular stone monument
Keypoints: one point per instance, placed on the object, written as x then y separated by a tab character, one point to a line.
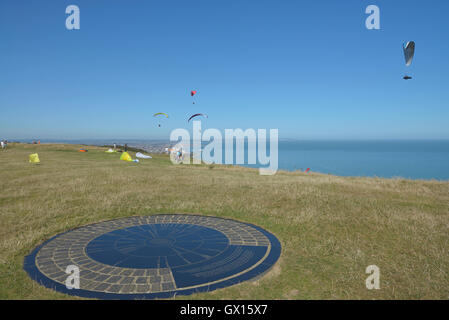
157	256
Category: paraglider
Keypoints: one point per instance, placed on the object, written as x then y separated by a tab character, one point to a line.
192	94
126	157
409	52
142	156
160	114
196	115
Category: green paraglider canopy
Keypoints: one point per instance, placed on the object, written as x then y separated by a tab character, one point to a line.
160	113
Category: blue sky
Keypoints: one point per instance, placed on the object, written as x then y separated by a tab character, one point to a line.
308	68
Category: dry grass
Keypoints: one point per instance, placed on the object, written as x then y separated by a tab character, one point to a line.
331	228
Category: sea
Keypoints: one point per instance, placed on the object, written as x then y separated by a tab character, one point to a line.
411	159
386	159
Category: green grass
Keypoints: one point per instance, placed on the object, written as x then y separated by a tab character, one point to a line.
331	228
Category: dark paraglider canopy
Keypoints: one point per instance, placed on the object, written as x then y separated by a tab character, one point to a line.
196	115
406	77
409	52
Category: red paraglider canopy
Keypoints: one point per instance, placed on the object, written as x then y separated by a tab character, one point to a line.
192	93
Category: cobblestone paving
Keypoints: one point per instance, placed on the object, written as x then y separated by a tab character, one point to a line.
70	249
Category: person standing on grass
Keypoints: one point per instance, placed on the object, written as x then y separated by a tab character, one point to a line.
3	144
126	147
179	155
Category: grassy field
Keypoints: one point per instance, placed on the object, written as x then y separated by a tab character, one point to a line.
331	228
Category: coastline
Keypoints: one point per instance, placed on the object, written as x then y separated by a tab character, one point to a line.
336	226
158	147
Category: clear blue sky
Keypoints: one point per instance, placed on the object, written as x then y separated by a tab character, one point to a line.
308	68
